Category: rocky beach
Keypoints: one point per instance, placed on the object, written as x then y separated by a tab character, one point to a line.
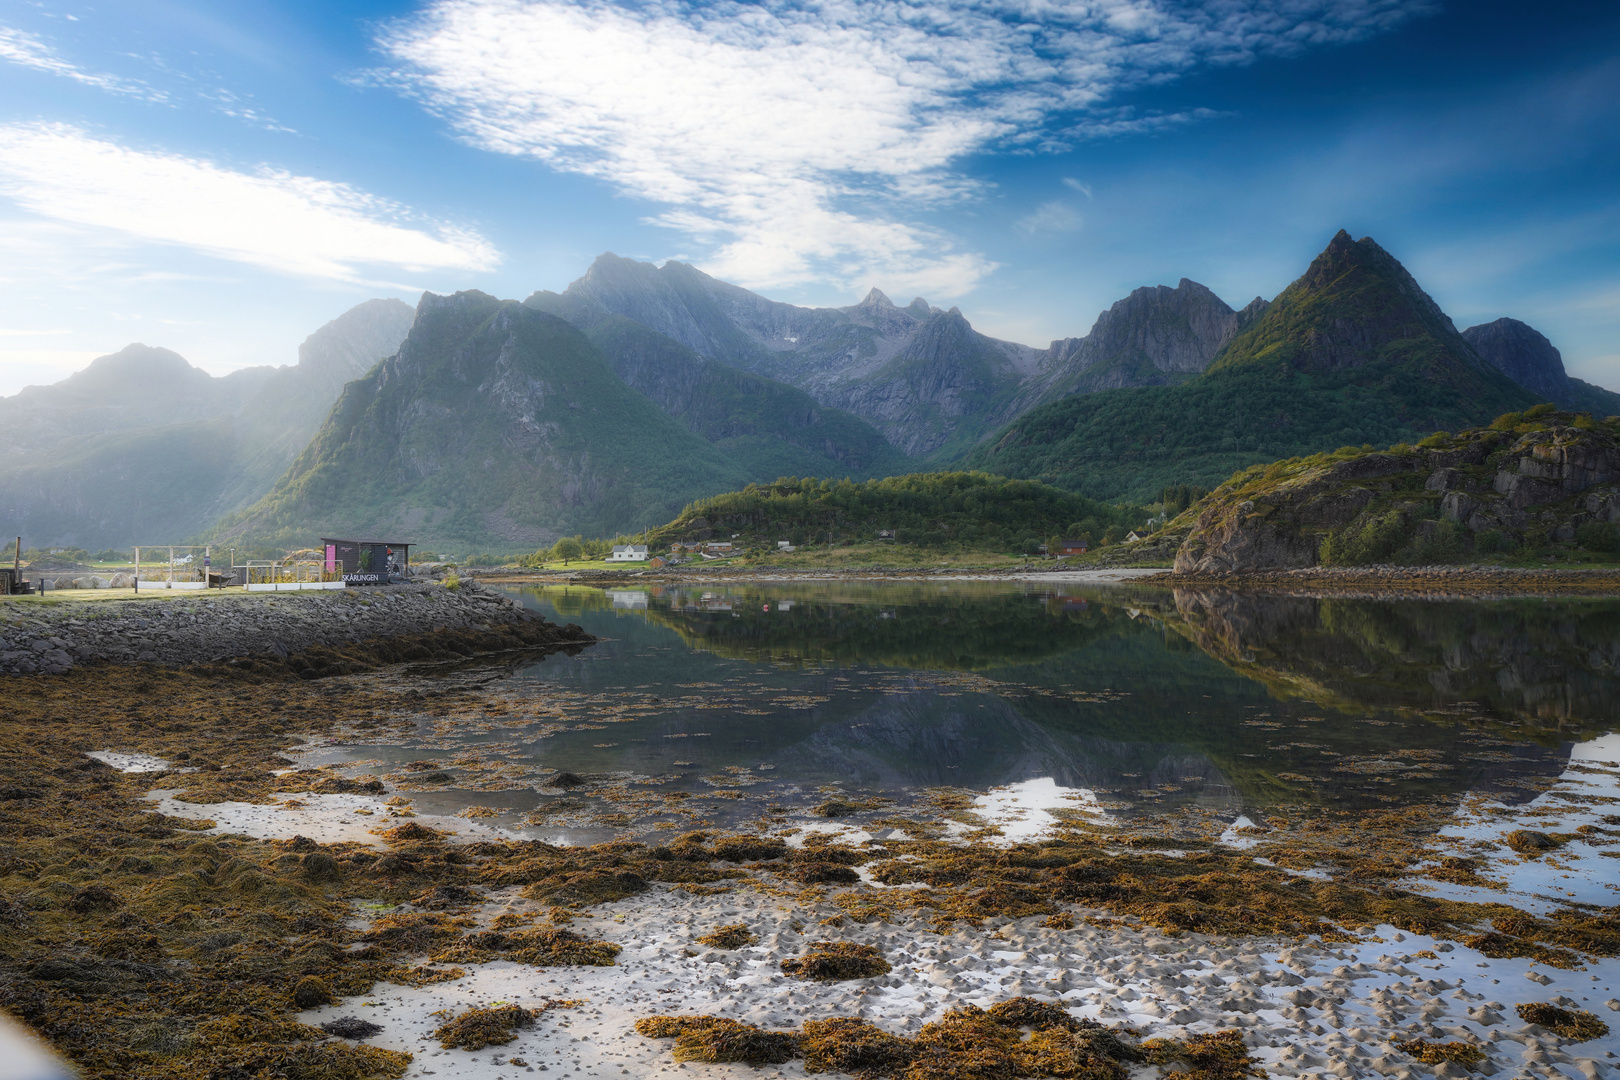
50	636
186	890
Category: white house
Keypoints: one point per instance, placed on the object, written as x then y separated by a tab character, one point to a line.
628	553
785	545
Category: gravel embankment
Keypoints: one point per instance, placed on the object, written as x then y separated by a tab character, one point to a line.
1379	580
41	638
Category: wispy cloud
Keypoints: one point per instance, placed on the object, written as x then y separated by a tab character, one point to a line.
269	218
28	50
1051	217
1125	121
798	140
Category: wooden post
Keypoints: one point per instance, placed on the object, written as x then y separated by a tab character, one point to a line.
171	566
137	568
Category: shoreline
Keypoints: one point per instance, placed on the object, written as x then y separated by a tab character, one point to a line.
1368	582
131	926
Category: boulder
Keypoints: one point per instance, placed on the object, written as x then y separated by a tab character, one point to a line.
122	581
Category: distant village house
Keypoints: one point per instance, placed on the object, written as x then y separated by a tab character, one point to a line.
628	553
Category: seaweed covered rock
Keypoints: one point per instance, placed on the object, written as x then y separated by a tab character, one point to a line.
1435	1053
733	936
311	992
837	961
1577	1025
478	1028
851	1045
716	1040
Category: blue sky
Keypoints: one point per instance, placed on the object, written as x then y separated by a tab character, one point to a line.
223	177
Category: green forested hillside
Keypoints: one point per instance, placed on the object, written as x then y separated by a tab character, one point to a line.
941	510
1352	353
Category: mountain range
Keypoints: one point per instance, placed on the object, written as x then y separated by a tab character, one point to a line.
606	407
141	447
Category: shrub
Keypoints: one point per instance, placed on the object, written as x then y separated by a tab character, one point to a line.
1373	540
1493	540
1544	409
1507	421
452	582
1598	536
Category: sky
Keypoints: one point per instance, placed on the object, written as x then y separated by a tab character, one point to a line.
222	178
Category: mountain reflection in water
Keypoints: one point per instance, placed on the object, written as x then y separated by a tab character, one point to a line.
1155	699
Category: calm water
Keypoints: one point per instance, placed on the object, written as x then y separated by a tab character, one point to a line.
1152	698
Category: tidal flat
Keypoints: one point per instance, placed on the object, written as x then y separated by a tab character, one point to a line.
486	867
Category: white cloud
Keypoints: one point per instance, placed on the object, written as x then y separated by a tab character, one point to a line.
274	219
1071	182
1050	217
25	49
798	139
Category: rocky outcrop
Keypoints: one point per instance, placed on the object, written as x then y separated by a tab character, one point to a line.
1528	481
1523	354
1147	339
221	627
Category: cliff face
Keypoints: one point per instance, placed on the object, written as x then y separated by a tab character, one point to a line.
947	385
770	428
1150	338
1524	354
1532	481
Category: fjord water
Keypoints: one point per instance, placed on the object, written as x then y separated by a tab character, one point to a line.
1152	698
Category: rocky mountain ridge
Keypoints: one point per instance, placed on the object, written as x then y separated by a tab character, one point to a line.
1352	352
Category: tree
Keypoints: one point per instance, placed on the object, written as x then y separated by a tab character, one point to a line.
567	548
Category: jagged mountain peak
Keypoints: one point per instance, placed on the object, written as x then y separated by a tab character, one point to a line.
876	299
920	307
1357	305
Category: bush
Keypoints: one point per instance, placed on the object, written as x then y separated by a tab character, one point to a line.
452	582
1374	540
1493	540
1446	542
1598	536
